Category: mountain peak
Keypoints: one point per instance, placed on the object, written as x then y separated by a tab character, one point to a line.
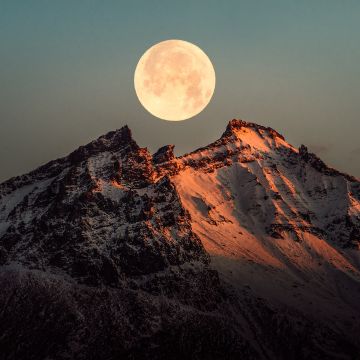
112	141
237	124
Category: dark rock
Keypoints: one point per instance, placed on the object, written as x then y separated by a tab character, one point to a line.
164	154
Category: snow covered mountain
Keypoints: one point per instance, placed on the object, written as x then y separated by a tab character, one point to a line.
246	248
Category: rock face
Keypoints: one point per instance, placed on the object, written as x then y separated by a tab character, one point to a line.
246	248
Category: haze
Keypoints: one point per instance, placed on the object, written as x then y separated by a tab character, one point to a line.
66	74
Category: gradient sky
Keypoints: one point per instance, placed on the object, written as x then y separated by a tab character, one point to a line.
66	74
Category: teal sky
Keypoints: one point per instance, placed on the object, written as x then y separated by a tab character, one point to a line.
66	73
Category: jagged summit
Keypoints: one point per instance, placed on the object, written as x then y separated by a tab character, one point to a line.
237	124
255	140
117	140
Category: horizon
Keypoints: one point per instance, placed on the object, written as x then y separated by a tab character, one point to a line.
177	154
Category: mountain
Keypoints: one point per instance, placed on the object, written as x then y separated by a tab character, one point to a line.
246	248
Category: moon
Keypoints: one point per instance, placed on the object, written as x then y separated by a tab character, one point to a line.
174	80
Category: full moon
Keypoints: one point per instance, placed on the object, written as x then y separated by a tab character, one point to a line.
174	80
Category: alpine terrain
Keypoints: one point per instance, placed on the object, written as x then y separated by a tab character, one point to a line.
248	248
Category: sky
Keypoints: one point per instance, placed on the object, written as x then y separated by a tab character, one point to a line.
67	67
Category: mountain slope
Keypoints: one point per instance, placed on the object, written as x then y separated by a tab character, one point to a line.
278	220
151	256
